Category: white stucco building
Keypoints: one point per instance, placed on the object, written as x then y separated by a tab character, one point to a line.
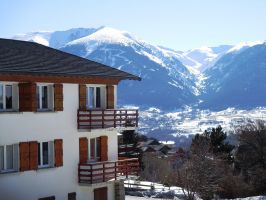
59	125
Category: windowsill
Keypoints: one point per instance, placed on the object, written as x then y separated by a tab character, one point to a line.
8	171
45	167
9	111
45	111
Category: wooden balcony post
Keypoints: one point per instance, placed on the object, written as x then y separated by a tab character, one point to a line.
102	118
137	117
79	173
126	169
126	120
78	119
103	172
91	167
114	118
115	171
90	118
120	119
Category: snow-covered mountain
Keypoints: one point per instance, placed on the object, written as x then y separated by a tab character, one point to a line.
56	39
170	78
237	79
166	82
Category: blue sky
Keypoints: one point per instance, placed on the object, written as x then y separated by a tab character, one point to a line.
179	24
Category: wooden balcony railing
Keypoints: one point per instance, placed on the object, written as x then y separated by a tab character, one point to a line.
99	172
107	118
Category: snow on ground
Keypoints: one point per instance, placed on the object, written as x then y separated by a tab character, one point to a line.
253	198
139	198
145	189
181	125
248	198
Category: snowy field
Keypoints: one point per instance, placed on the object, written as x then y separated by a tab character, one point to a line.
159	189
181	125
248	198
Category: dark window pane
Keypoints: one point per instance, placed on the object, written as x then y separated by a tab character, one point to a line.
38	96
44	97
45	153
8	96
1	97
71	196
92	149
98	97
98	147
91	97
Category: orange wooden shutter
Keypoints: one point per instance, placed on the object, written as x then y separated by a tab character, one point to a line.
83	150
27	97
58	152
104	148
33	155
82	97
24	156
58	97
110	96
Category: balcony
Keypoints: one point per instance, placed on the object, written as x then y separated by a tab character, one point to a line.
107	118
99	172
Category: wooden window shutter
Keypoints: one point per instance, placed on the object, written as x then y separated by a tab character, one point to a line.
110	97
101	193
24	156
83	150
82	97
58	97
104	148
58	152
27	97
33	155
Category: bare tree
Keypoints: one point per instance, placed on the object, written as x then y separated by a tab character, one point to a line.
250	156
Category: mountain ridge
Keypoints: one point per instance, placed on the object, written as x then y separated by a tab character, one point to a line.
183	78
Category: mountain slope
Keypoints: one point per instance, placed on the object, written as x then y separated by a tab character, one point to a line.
219	76
56	39
237	79
166	82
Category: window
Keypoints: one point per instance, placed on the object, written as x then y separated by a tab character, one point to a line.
8	158
45	154
44	97
8	96
95	97
71	196
94	149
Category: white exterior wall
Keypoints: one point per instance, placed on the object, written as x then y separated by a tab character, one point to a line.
47	126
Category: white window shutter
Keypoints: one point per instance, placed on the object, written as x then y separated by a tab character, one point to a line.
51	153
16	157
50	97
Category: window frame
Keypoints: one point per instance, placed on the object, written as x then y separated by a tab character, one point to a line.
50	97
102	96
40	152
14	96
96	146
5	169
